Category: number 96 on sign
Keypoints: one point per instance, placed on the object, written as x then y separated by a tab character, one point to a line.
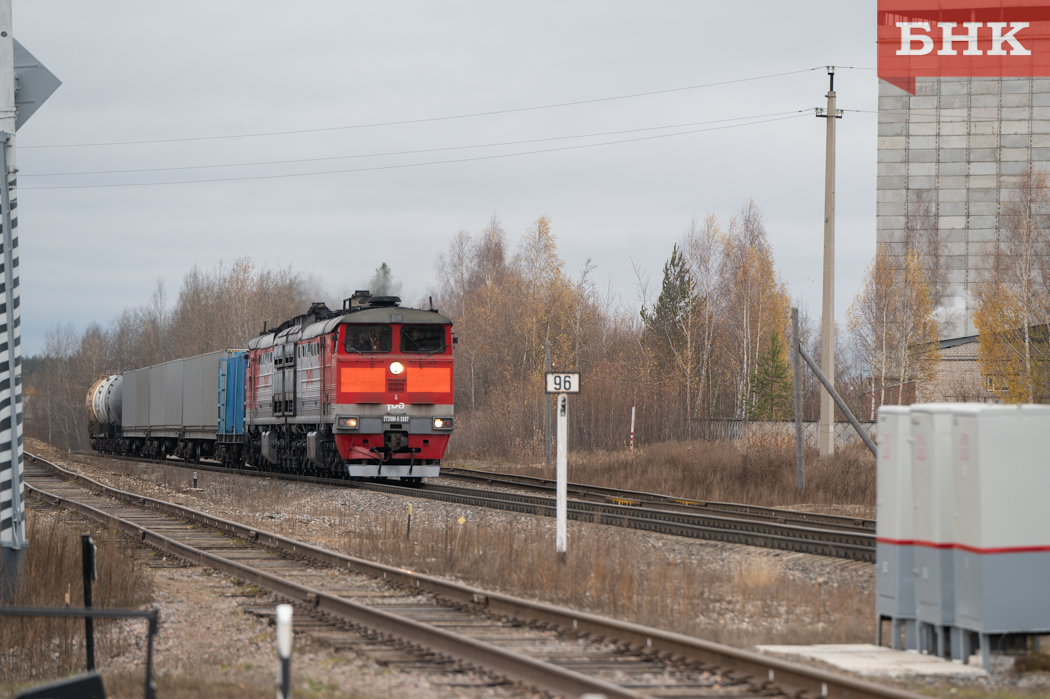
563	383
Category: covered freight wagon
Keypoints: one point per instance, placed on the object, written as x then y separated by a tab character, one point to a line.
170	408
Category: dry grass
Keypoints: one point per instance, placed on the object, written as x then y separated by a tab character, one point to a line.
39	649
735	597
1033	662
762	473
744	601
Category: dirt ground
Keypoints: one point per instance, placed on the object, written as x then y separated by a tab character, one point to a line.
216	639
211	642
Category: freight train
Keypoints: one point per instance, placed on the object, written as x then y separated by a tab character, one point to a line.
362	392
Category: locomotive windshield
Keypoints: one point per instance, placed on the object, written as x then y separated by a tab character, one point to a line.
368	338
423	338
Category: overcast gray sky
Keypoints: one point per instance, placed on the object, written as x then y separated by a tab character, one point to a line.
135	71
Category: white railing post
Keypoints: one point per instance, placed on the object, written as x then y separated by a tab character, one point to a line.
631	447
284	651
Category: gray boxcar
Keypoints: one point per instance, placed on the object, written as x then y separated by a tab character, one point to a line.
173	408
136	402
173	395
200	395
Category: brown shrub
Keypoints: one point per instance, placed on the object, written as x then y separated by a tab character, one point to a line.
40	649
745	600
757	474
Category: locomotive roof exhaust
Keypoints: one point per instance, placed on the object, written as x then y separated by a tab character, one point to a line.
360	298
363	297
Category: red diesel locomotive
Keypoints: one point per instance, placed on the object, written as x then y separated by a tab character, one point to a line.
366	391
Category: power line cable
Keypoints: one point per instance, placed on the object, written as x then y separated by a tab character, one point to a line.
410	165
434	119
409	152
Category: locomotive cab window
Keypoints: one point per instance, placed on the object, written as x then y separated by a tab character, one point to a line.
423	338
368	338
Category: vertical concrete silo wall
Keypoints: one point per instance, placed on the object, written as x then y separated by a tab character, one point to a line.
957	149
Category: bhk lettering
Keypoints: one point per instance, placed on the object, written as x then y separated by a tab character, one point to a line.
916	43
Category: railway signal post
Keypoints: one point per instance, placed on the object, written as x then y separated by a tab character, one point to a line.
562	384
24	85
12	489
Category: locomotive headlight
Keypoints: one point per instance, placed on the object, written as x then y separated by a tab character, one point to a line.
349	423
442	423
396	368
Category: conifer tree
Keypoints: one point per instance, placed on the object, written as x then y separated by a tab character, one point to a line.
770	383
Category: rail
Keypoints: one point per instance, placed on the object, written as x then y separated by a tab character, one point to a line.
762	671
644	499
850	542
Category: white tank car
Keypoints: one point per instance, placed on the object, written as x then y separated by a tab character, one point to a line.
105	400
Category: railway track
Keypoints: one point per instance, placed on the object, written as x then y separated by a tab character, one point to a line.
559	650
837	539
664	502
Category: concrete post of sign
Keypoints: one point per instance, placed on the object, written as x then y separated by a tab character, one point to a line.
12	508
563	475
631	446
562	384
284	651
827	326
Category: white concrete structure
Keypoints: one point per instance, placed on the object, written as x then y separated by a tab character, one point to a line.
877	661
949	157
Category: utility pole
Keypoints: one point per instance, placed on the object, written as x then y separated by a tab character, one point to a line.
12	486
796	361
827	325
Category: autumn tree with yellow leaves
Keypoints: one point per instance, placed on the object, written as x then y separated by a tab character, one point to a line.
721	302
1012	299
893	325
218	308
710	346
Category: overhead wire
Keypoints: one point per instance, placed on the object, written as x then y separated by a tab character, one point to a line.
421	164
408	152
421	120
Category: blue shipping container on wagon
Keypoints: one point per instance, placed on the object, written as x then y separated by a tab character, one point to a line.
232	374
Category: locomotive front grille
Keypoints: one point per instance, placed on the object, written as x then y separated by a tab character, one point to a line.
395	385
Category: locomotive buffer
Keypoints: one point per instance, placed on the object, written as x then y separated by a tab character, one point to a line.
562	384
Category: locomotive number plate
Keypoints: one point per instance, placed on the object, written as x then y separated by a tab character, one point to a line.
395	418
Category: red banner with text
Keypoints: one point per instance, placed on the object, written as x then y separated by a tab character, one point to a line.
960	38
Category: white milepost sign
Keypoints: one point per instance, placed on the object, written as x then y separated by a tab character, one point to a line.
562	384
